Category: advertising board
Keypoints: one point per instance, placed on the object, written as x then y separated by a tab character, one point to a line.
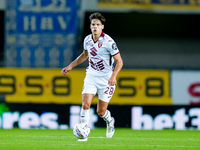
148	87
40	33
63	116
180	6
185	87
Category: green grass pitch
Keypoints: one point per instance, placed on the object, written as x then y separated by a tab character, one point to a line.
123	139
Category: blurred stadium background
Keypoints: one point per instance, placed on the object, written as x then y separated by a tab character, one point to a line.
158	88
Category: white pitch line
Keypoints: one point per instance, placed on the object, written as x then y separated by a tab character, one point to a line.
177	146
97	137
121	145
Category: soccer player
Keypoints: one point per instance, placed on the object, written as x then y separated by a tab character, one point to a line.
101	52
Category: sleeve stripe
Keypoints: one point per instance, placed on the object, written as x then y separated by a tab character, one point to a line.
115	54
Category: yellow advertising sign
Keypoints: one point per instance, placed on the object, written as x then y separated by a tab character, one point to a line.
41	86
151	4
50	86
142	87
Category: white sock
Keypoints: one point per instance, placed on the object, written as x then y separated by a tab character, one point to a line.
107	116
84	116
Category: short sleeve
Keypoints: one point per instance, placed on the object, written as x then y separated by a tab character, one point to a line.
84	44
112	48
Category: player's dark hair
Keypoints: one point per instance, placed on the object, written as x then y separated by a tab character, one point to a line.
98	16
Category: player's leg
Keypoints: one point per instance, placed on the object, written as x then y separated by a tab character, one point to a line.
86	103
102	110
105	94
89	90
84	115
106	115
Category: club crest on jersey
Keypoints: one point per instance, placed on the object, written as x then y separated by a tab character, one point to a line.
100	44
114	46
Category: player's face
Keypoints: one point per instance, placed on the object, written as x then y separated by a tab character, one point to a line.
96	26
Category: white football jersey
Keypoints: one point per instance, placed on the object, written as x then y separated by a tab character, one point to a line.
100	54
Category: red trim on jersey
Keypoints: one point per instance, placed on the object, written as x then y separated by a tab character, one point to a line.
102	35
115	54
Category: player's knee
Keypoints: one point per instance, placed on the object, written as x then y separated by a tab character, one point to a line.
100	112
86	106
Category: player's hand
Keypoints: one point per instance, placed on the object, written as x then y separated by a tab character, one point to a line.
112	81
66	70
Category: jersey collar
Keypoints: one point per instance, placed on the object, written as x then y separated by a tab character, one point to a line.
102	35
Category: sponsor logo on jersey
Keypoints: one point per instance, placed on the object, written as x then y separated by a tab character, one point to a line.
93	51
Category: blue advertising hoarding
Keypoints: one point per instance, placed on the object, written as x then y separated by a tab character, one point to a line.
41	33
59	116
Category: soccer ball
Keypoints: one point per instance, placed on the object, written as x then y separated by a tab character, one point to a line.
81	130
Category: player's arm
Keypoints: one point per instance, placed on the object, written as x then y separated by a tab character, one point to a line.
119	64
80	59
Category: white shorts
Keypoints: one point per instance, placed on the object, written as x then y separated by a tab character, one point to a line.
93	85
